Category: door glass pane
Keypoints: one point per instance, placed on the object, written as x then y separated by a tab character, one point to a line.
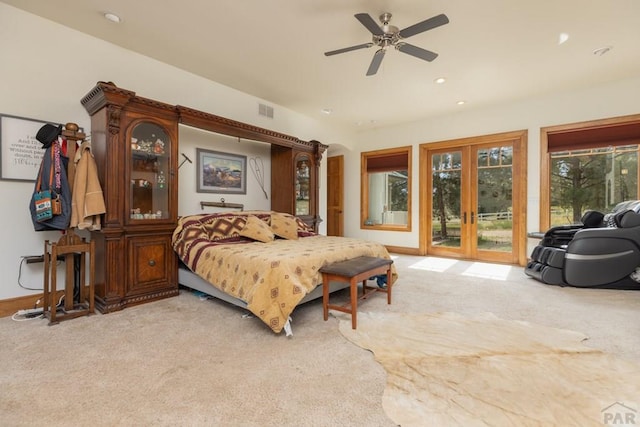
446	171
150	150
494	210
303	184
591	179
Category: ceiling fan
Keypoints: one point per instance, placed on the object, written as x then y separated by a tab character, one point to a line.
388	35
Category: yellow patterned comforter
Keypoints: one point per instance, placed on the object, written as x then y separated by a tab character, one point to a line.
270	277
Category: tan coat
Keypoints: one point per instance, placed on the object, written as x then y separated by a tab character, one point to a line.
87	202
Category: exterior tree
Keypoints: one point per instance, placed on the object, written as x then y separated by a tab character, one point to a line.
578	183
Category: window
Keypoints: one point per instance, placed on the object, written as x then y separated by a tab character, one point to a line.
592	166
386	184
591	179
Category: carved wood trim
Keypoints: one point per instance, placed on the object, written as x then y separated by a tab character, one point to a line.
113	118
103	94
222	125
107	93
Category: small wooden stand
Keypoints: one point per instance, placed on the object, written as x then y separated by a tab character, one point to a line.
69	246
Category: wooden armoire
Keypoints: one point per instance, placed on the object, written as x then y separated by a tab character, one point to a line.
135	143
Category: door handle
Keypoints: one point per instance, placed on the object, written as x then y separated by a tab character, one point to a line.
473	215
464	217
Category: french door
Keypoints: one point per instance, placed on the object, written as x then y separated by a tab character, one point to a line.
475	198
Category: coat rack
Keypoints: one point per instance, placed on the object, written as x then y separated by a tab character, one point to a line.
74	250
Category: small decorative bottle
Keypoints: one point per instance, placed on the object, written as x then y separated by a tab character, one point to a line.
161	179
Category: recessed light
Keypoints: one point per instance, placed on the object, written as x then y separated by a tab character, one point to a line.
440	80
563	37
327	111
602	50
112	17
461	102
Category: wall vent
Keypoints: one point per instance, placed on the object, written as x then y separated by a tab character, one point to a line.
265	110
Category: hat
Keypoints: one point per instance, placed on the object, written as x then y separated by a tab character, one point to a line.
48	133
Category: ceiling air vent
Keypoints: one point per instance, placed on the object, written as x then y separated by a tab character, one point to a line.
265	110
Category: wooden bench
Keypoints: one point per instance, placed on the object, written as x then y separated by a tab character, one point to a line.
353	271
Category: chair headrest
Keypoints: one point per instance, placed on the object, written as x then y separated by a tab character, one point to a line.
627	219
592	219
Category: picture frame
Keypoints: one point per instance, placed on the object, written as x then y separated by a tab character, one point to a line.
219	172
20	152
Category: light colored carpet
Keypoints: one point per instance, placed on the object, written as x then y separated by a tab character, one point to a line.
187	362
446	369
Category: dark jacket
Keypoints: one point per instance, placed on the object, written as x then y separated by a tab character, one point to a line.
57	222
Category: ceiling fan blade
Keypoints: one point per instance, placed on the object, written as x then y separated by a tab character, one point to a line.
366	20
425	25
375	62
348	49
416	51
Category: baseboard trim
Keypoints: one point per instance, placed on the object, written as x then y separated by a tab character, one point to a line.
9	307
403	250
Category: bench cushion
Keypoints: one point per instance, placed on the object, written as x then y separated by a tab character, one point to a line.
355	266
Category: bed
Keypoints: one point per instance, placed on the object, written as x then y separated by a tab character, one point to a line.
267	262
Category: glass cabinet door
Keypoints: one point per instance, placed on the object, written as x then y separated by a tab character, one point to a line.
303	185
149	174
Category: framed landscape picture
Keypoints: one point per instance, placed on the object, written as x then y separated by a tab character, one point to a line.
221	172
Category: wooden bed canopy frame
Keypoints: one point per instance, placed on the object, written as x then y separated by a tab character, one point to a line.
201	120
135	259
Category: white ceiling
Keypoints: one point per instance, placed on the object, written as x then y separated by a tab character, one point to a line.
491	52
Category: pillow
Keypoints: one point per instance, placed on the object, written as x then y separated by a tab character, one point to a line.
257	229
284	226
303	227
223	226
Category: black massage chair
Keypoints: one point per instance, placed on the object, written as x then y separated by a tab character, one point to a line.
601	252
